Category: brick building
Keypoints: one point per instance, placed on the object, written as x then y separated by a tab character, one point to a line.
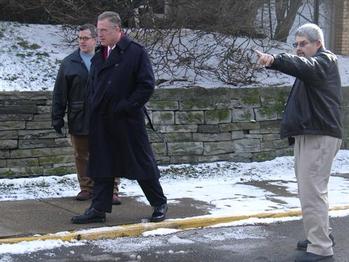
340	27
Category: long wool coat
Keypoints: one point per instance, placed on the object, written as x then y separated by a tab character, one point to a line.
119	88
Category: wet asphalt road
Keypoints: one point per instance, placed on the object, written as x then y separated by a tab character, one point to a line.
264	242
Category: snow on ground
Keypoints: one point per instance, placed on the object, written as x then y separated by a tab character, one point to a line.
225	186
26	247
31	54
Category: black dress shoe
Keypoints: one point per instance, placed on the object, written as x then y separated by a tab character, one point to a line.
159	213
310	257
302	245
91	215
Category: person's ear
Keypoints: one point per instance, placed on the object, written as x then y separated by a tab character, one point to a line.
318	44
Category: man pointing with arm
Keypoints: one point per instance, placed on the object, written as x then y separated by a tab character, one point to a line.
313	121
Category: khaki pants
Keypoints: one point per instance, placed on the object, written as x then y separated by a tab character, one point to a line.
314	155
80	146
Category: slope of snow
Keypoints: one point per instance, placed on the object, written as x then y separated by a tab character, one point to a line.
31	54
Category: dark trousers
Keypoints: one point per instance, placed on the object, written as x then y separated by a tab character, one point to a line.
103	193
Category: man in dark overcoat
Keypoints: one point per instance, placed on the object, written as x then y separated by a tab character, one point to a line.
121	82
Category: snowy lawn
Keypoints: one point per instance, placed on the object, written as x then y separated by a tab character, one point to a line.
229	188
31	54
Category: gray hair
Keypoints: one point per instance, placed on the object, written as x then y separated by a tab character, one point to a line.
112	17
90	27
312	32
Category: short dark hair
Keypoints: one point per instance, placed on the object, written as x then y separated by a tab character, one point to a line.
112	17
90	27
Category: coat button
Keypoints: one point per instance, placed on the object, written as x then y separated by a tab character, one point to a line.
116	65
109	82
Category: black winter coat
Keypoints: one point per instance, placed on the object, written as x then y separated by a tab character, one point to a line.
118	90
71	90
314	103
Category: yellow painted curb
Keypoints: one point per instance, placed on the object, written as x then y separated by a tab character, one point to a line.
137	229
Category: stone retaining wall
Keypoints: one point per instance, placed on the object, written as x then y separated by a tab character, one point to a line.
192	125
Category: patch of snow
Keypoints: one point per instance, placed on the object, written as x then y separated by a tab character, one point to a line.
39	187
127	244
177	240
30	56
160	231
26	247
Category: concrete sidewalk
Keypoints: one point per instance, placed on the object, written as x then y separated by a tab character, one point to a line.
31	217
29	220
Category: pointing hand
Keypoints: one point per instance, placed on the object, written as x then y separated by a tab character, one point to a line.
264	59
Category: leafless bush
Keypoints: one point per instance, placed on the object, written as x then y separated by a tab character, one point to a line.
184	54
186	39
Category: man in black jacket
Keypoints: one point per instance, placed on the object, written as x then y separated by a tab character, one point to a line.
71	90
313	120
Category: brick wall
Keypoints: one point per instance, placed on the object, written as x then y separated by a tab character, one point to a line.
193	125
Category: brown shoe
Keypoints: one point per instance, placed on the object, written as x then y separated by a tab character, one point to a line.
83	195
116	200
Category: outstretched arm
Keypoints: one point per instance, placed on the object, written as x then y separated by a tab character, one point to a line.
264	59
305	68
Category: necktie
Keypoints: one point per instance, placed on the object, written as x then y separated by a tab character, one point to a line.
109	51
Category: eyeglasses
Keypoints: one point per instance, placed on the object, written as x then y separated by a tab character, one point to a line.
84	38
300	44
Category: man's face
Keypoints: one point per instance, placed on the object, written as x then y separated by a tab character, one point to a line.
108	33
87	43
306	48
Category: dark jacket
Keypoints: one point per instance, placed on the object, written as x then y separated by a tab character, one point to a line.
71	90
314	103
119	88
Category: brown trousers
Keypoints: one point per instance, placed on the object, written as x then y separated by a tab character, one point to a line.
80	146
314	155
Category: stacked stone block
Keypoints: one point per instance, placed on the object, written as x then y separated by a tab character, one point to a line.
28	144
192	125
202	125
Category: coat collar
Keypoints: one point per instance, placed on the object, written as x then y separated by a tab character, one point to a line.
123	43
321	49
75	56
